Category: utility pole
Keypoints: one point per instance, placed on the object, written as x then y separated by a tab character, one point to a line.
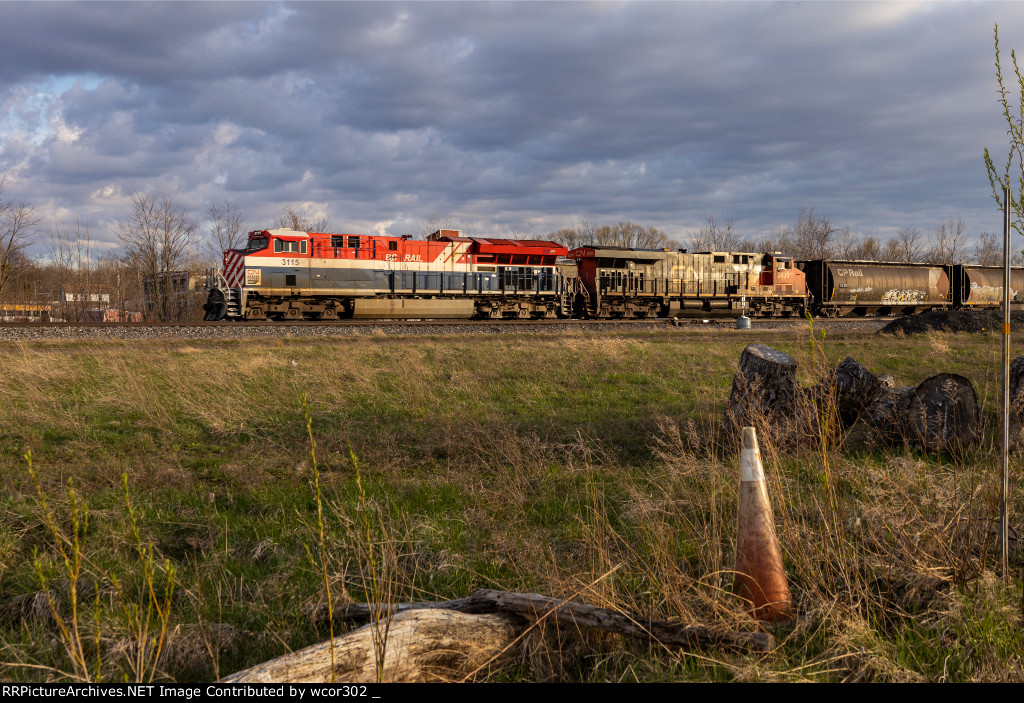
1004	520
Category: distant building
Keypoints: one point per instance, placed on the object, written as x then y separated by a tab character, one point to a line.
95	297
178	295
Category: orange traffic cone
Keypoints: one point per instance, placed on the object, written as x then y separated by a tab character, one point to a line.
760	577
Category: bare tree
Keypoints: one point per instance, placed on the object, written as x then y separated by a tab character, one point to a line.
76	282
225	229
812	236
433	223
949	243
989	250
582	235
870	249
290	218
716	236
158	237
891	250
570	237
1013	173
778	240
848	244
623	234
908	245
633	236
17	223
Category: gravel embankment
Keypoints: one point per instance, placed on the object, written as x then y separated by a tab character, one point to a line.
24	332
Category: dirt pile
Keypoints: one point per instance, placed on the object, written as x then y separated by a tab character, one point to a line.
954	321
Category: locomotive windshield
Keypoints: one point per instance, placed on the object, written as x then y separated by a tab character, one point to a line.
257	244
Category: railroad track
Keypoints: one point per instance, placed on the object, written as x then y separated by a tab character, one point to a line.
27	331
726	322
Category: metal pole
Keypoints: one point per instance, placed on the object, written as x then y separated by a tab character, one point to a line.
1004	525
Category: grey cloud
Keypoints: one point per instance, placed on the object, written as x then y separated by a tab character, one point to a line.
539	112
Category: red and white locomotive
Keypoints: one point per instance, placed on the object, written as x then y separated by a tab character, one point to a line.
283	274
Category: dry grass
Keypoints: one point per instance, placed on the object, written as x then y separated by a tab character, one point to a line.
579	466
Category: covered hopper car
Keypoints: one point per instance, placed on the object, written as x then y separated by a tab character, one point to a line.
868	287
840	288
982	286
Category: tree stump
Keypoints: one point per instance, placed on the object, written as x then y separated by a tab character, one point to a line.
844	393
885	414
943	415
856	390
764	395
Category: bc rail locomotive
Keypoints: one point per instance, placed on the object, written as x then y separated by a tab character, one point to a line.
290	275
284	274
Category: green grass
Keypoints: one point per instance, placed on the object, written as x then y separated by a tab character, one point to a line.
520	462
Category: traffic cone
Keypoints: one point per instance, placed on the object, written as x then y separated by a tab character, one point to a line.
760	578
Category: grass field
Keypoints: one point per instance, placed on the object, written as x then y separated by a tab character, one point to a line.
172	529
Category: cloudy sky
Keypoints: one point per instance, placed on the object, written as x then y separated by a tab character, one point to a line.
508	117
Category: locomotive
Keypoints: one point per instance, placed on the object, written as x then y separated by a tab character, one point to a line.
622	282
284	274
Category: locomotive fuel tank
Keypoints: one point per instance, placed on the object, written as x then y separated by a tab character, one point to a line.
870	287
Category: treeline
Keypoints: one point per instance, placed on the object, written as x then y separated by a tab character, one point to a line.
812	236
163	250
156	268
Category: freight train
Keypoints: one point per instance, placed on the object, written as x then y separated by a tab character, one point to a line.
284	274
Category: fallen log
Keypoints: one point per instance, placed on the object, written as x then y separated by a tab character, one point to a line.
533	606
567	613
366	611
452	640
420	646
